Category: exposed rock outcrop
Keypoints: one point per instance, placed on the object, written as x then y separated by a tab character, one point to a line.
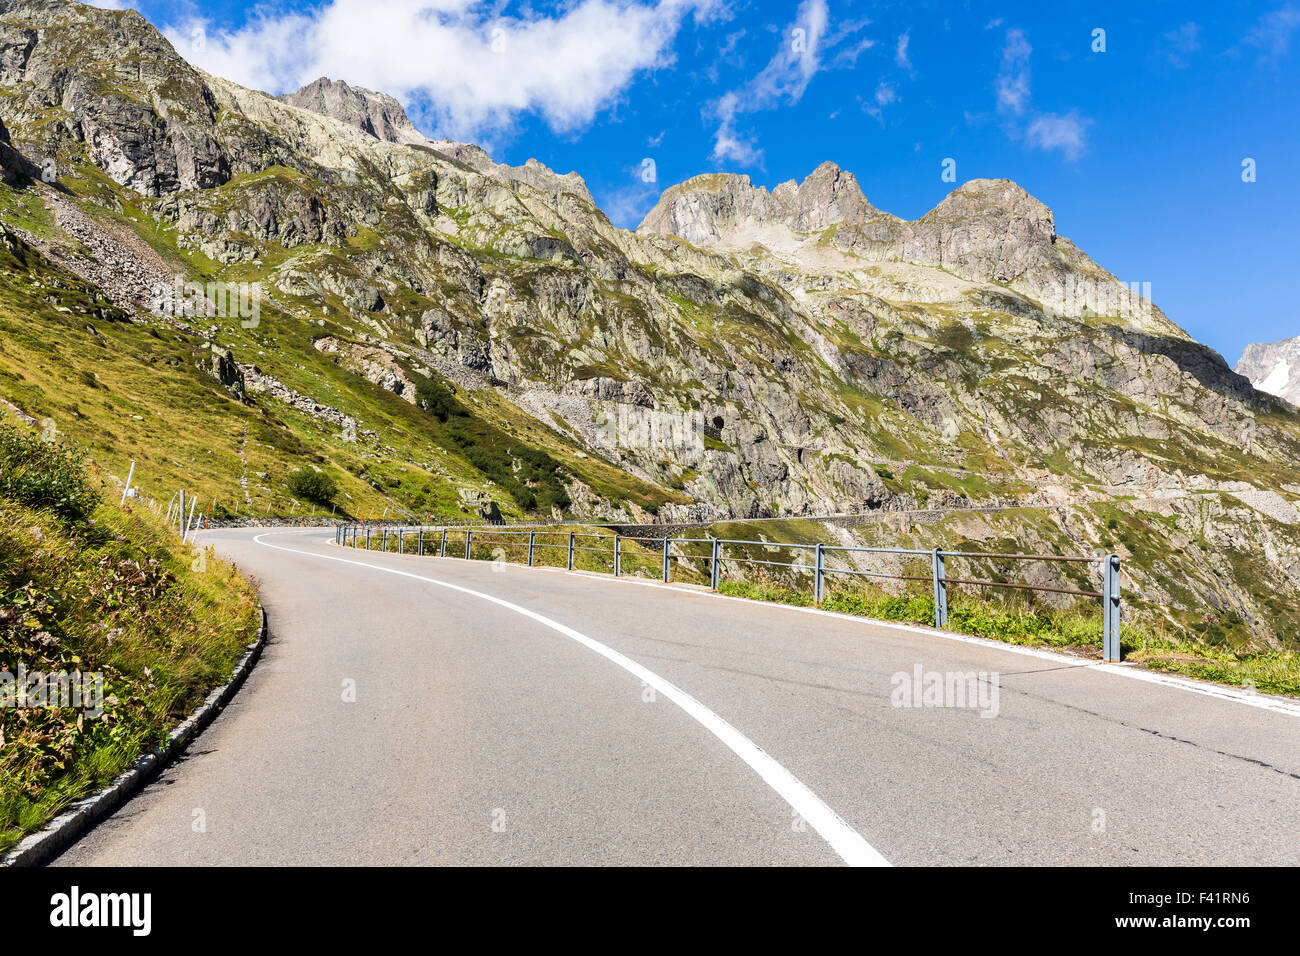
376	114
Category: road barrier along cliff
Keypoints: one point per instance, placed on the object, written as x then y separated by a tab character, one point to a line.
718	553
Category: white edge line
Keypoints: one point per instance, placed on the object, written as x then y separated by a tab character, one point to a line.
850	845
1206	689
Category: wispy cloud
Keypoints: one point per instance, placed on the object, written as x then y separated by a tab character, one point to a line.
1273	32
1062	132
1066	132
886	94
628	204
901	56
1177	46
1013	76
803	48
728	145
470	71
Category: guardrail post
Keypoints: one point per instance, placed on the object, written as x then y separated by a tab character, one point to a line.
442	549
419	541
940	588
531	540
571	536
1111	648
618	556
468	533
401	541
819	574
667	558
713	563
367	539
383	541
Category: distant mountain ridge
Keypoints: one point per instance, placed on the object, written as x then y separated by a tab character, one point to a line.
1273	368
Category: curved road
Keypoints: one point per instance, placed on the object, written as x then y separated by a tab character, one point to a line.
453	713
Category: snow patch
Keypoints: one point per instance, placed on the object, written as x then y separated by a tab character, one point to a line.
1275	383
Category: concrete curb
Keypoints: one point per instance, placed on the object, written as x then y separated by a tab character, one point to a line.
40	848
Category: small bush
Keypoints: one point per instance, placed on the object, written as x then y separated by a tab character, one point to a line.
313	485
48	475
436	399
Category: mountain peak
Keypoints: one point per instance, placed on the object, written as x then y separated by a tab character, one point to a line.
828	196
714	206
376	114
1002	197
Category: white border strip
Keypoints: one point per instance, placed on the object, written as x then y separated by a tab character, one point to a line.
843	839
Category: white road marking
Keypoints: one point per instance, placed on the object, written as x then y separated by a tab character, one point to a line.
842	838
1205	688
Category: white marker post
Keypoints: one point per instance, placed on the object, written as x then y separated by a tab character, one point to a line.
190	523
127	490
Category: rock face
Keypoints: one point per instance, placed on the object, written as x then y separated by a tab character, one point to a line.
374	365
225	370
14	167
376	114
715	208
118	88
1274	368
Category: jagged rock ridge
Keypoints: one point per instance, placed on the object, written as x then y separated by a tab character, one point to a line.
376	114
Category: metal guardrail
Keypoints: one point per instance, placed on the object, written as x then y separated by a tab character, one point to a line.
359	536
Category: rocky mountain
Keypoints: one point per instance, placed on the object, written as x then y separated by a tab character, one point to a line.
1273	368
377	114
449	334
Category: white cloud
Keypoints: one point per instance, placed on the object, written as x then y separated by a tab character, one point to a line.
1066	132
1013	77
728	145
468	71
1178	45
789	72
1272	34
900	51
885	95
1047	131
800	56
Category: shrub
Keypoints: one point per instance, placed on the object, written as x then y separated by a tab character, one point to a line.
313	485
436	399
42	474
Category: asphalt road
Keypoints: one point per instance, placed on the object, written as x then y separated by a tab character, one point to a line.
543	717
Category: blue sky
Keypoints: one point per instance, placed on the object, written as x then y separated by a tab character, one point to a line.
1138	148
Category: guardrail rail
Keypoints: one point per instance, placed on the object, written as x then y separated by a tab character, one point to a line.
429	539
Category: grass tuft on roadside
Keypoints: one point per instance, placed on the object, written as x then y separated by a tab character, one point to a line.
86	587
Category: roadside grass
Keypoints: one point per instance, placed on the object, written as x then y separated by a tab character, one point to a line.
1018	621
109	591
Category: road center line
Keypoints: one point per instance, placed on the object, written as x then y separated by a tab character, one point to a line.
842	838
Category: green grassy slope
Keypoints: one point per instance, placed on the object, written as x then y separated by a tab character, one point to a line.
93	588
